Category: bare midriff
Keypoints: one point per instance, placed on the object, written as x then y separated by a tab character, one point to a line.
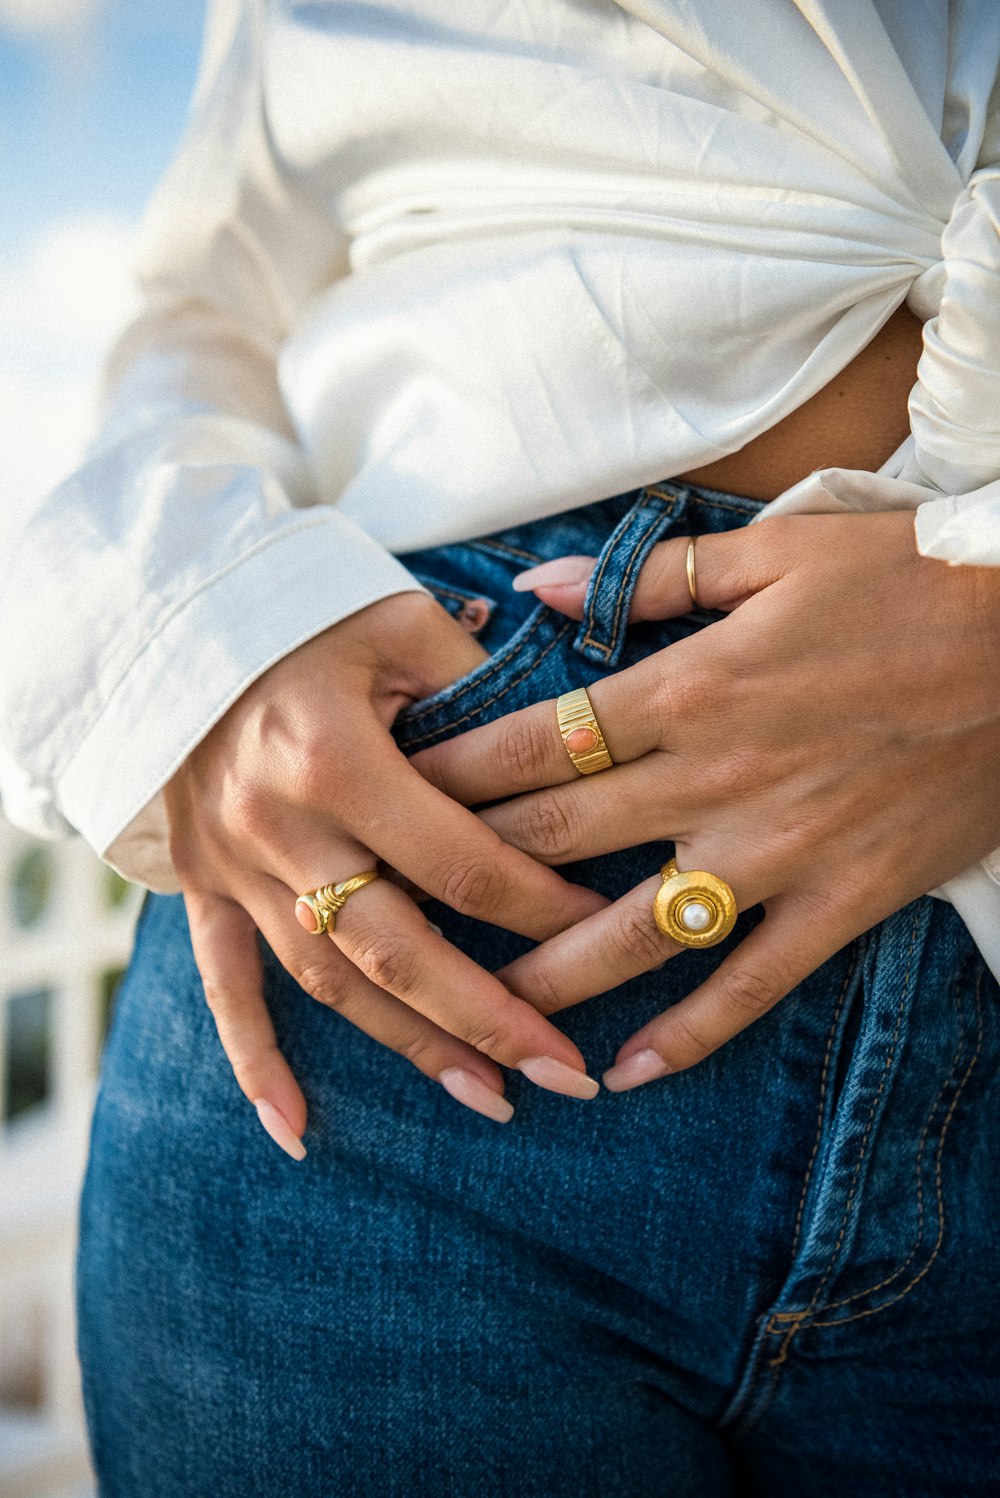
856	421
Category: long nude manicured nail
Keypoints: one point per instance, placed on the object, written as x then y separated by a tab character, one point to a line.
643	1066
564	572
545	1071
280	1130
465	1087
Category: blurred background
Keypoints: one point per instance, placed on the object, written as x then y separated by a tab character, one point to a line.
93	98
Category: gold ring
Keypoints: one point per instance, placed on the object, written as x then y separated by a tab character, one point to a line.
692	575
317	909
581	732
696	909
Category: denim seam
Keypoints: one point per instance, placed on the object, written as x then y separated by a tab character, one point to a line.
797	1318
871	1310
503	546
595	587
436	587
712	504
499	661
764	1321
851	970
833	1305
609	649
482	706
602	567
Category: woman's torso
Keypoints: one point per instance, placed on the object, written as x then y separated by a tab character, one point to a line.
584	251
856	421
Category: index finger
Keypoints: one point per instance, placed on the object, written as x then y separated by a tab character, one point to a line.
524	751
788	945
451	854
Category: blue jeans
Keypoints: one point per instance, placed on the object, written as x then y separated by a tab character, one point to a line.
776	1273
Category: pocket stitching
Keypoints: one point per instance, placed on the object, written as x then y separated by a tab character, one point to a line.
504	548
752	507
796	1319
560	634
939	1193
512	646
736	1419
436	587
609	649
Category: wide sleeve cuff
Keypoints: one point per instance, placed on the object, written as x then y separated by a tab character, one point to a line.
196	664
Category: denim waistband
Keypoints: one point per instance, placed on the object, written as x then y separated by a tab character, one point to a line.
526	639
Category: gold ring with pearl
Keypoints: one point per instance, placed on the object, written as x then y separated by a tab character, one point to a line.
696	909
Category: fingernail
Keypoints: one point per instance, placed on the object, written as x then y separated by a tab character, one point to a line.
564	572
465	1087
643	1066
280	1130
545	1071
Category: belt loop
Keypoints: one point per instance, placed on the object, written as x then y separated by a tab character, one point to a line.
601	636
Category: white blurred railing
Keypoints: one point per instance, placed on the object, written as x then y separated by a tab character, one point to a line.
66	925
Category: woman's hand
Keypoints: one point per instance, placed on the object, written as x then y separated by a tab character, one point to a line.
300	784
831	750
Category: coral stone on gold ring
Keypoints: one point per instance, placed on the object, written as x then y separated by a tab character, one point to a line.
581	732
696	909
317	909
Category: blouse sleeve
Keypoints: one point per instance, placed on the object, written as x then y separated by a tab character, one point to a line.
190	551
955	406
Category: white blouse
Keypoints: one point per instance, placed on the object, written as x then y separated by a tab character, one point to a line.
423	270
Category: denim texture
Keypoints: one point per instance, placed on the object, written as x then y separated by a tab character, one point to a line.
775	1273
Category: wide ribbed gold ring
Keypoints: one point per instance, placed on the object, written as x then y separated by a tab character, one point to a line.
581	732
696	909
317	909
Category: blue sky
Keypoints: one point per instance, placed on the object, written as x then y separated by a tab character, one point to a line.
93	98
91	104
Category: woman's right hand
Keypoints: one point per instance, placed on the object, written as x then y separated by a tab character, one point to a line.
300	784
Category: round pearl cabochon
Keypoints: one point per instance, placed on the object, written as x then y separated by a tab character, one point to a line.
696	916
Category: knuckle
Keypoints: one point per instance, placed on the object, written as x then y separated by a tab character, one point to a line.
746	992
635	939
309	776
523	745
246	811
535	982
389	961
490	1028
474	887
422	1051
553	827
687	1041
491	1038
546	995
183	853
218	996
320	983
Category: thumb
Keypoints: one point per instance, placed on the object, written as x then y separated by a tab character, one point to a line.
729	568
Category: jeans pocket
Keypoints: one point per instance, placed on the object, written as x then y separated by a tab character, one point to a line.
473	610
512	677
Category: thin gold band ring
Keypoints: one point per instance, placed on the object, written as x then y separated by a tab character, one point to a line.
692	575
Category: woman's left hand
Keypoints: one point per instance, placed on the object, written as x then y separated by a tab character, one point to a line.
831	749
